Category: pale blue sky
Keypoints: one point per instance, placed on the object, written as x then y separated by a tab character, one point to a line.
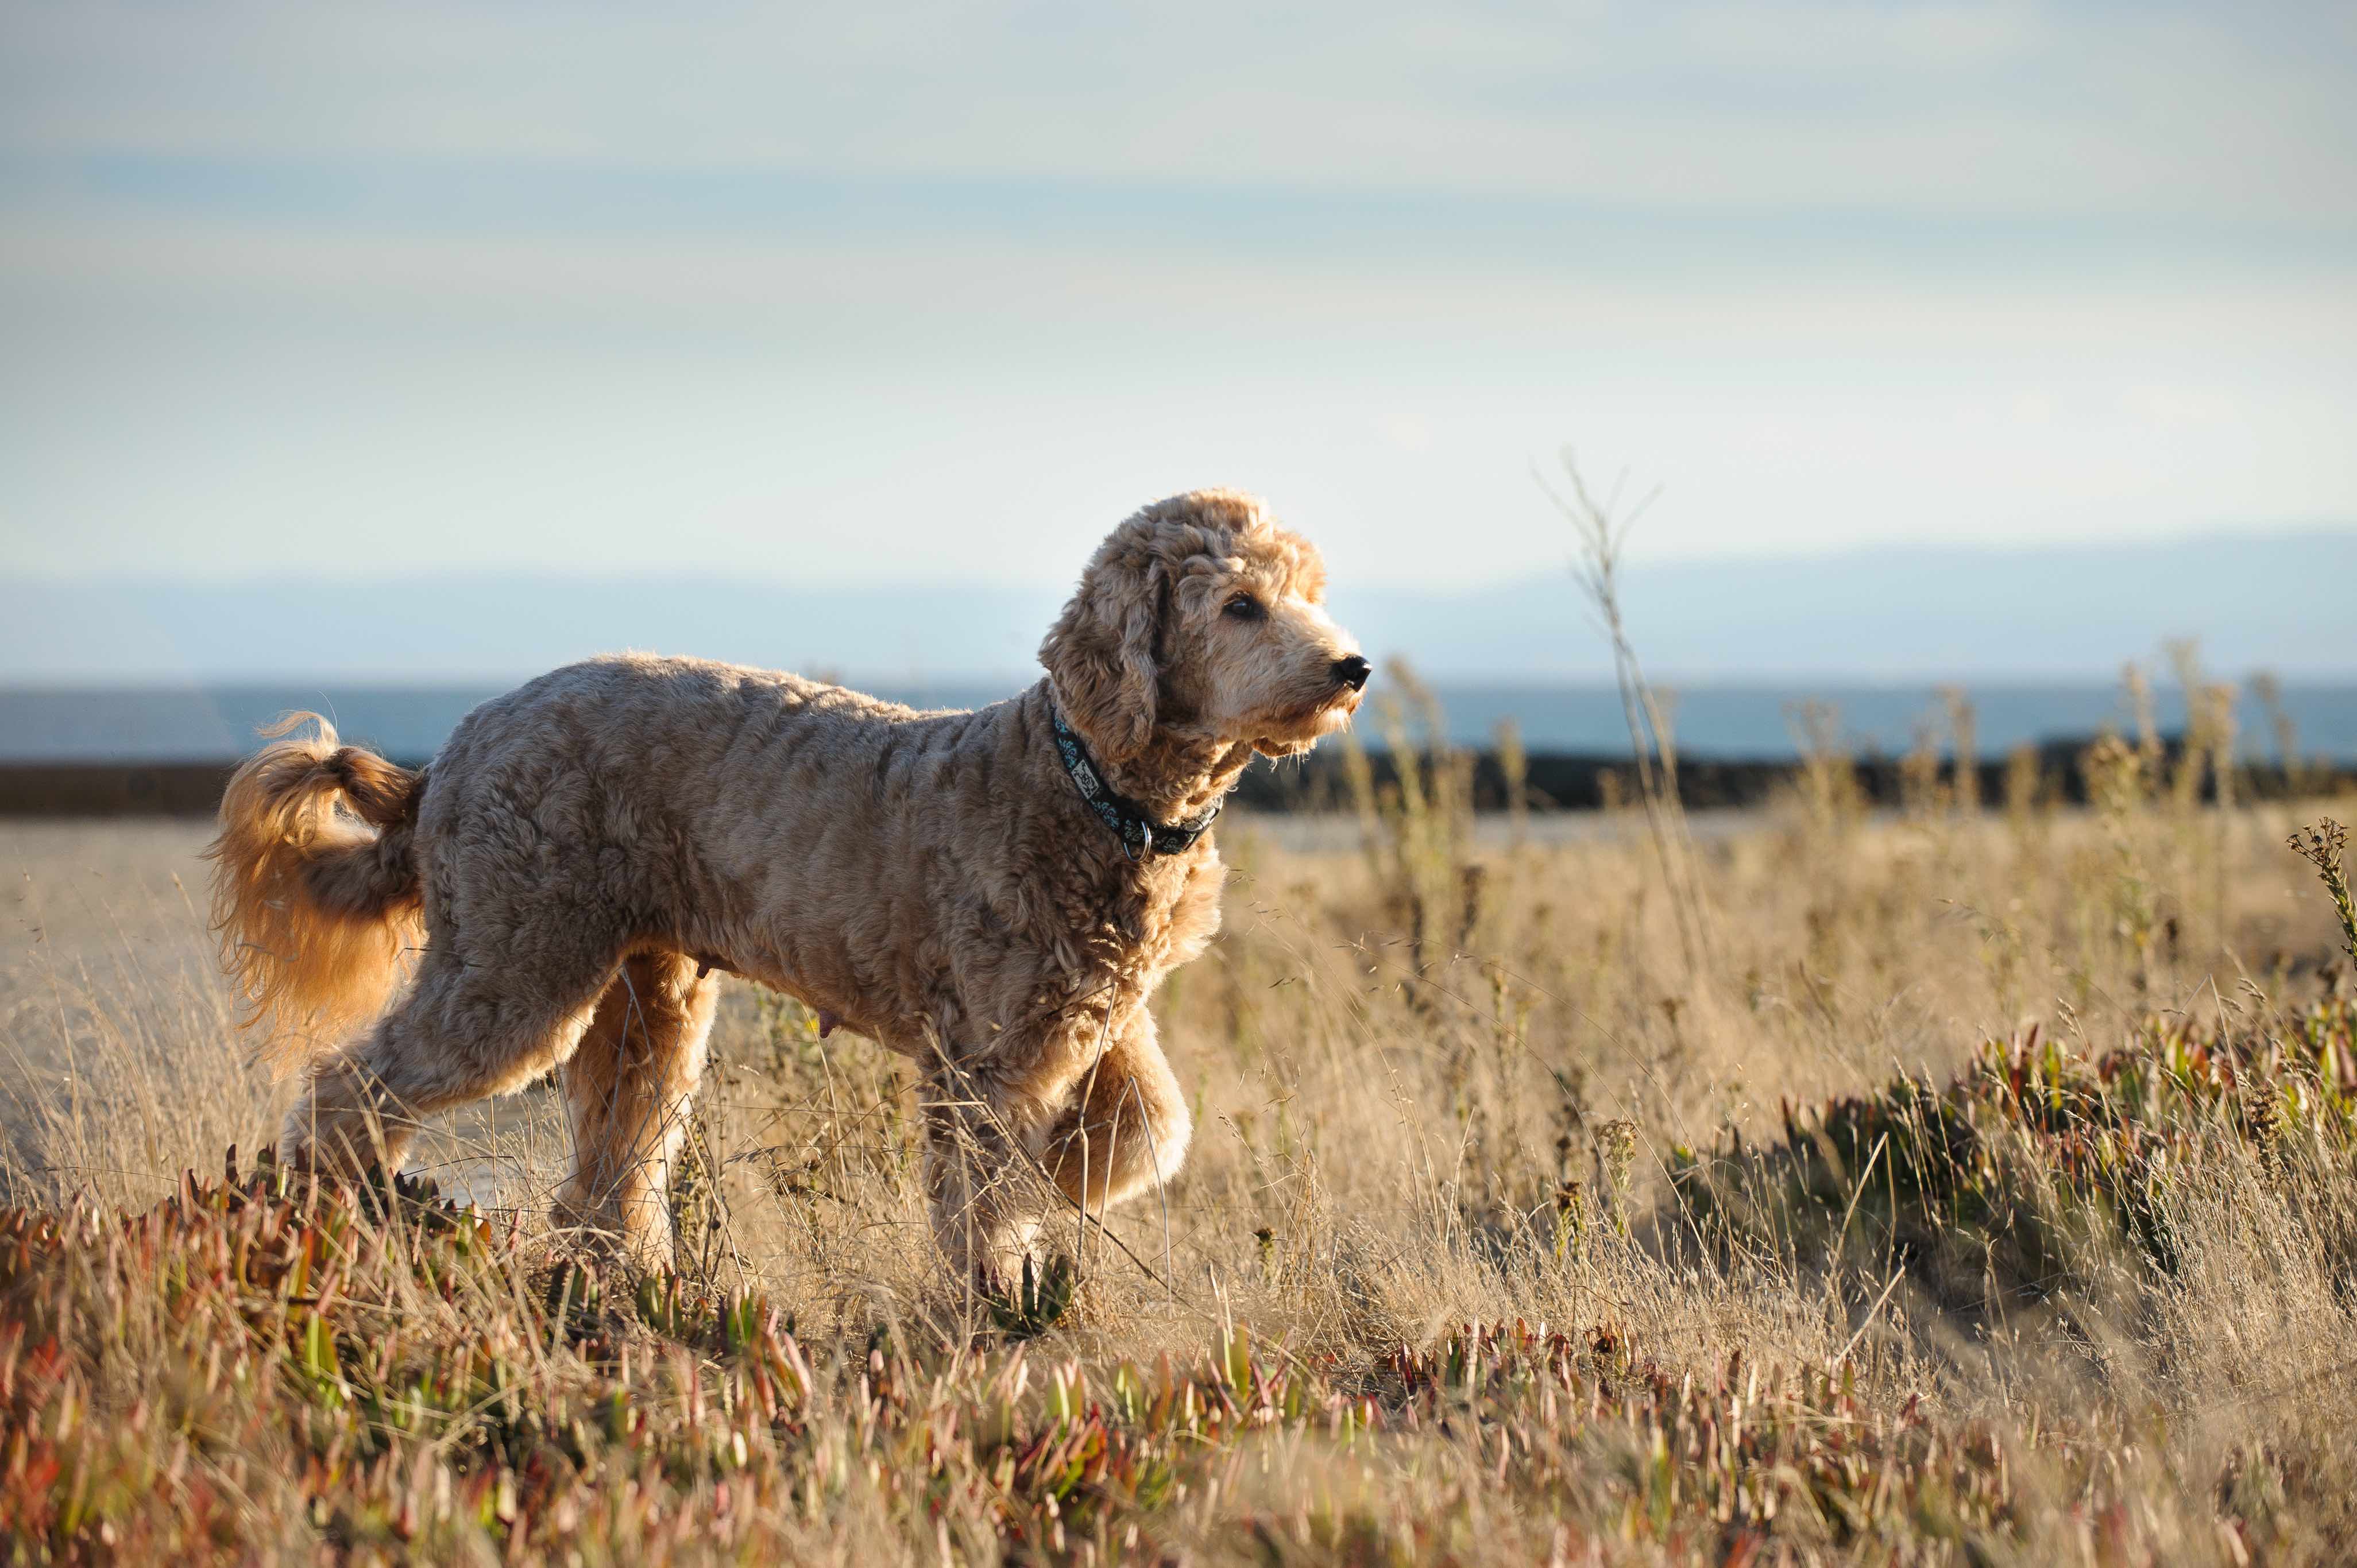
857	293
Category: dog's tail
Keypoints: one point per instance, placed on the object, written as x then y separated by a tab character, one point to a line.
316	890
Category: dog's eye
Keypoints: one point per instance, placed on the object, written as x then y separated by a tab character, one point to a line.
1244	606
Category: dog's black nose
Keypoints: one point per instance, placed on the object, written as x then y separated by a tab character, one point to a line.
1353	672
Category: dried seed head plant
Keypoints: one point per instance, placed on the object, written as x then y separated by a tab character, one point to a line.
2323	846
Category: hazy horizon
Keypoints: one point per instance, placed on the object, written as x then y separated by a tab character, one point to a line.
1883	614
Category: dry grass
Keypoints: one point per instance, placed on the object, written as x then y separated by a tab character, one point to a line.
1983	1192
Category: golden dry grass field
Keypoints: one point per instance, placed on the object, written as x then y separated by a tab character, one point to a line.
1942	1186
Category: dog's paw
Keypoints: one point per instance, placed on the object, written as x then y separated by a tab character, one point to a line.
1042	1298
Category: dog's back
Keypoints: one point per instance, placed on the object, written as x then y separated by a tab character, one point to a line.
695	800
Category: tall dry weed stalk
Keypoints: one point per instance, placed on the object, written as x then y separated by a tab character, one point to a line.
1964	746
1416	828
1515	772
1600	532
1830	794
2266	690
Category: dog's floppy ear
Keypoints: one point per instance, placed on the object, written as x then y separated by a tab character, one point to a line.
1101	652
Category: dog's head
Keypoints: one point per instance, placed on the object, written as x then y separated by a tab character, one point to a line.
1201	617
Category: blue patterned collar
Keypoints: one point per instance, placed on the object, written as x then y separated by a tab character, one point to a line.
1141	836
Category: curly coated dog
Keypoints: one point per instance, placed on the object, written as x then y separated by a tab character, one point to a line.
995	894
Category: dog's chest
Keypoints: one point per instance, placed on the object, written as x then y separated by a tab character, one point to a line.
1169	912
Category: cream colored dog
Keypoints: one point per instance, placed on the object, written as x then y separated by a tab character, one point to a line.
977	891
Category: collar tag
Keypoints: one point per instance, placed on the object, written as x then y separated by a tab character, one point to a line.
1141	837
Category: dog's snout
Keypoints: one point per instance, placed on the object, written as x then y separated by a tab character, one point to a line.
1352	671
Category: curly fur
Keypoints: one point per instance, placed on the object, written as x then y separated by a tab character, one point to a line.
585	847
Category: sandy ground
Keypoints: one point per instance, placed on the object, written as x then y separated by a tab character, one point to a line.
93	907
108	973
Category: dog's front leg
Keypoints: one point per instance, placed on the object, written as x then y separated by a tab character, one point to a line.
988	1121
992	1147
1125	1127
979	1183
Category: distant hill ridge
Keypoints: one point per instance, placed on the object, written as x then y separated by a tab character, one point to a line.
2286	601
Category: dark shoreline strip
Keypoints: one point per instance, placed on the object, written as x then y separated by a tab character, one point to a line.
1553	781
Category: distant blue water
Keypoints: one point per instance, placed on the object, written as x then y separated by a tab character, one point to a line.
198	723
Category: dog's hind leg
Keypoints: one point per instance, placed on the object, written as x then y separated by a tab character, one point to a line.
626	1087
1127	1127
476	1024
